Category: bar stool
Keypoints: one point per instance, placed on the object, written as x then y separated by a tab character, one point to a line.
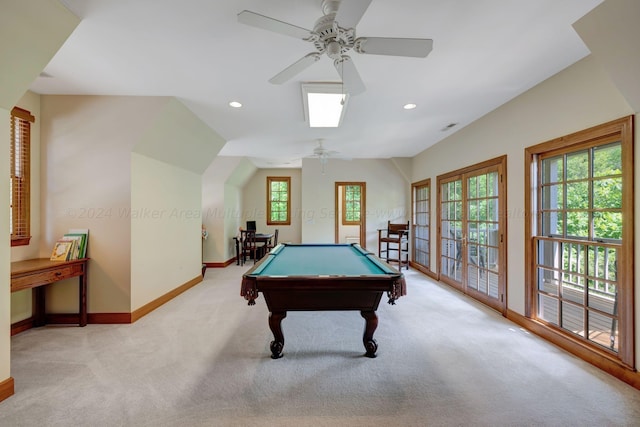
393	244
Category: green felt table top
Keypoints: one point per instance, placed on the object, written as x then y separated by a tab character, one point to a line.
321	259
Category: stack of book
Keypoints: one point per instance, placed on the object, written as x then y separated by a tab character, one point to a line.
72	245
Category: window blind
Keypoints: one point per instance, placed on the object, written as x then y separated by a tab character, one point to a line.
20	174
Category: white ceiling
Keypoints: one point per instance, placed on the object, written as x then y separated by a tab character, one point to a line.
485	52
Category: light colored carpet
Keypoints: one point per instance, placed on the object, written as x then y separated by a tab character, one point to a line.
203	360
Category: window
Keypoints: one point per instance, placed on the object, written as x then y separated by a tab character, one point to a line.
20	172
278	200
421	231
581	280
351	197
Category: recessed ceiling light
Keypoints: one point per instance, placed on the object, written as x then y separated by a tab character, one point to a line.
235	104
409	106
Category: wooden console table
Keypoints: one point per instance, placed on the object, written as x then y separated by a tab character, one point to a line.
36	273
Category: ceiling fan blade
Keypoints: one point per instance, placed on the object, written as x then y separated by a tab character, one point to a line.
418	48
350	12
270	24
350	76
295	68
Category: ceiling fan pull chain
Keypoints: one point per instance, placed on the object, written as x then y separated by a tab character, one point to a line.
342	84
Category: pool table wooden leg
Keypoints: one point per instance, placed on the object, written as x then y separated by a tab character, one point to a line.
275	320
369	328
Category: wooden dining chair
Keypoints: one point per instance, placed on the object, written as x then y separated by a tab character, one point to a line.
274	242
248	244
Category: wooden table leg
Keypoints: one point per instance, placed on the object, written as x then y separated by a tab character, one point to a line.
82	297
275	320
371	323
39	306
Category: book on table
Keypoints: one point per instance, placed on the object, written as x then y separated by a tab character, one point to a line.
62	250
81	240
71	246
84	233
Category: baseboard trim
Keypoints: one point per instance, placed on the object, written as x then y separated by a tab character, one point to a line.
62	318
608	364
148	308
109	318
7	389
21	326
220	264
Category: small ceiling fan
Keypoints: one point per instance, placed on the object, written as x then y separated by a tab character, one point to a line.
335	34
324	155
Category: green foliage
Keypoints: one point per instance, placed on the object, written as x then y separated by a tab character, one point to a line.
593	187
352	198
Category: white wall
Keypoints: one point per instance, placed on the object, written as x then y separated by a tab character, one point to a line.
254	204
577	98
232	209
166	201
387	197
220	209
5	253
611	32
38	27
31	32
165	228
86	183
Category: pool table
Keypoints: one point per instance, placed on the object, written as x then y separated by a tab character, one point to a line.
322	277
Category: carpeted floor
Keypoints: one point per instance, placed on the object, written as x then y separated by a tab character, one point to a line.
203	360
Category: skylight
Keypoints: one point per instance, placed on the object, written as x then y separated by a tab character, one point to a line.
324	104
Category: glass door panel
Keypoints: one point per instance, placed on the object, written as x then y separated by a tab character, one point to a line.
471	232
421	235
451	230
482	233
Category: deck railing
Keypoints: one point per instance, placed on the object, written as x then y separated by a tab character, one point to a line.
577	287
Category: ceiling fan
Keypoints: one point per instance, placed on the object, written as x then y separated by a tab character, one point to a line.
335	34
323	154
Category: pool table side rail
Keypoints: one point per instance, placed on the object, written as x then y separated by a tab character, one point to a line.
271	256
395	286
391	281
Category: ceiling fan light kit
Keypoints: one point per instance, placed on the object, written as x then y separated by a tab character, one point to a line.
334	34
323	155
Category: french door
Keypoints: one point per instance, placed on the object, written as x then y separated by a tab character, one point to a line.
420	226
471	233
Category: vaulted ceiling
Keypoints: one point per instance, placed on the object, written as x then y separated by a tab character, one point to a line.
485	52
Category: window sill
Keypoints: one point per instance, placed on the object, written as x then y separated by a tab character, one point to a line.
20	241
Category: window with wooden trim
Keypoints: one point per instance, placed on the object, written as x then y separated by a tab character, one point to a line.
471	218
581	282
351	202
20	173
278	200
421	232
